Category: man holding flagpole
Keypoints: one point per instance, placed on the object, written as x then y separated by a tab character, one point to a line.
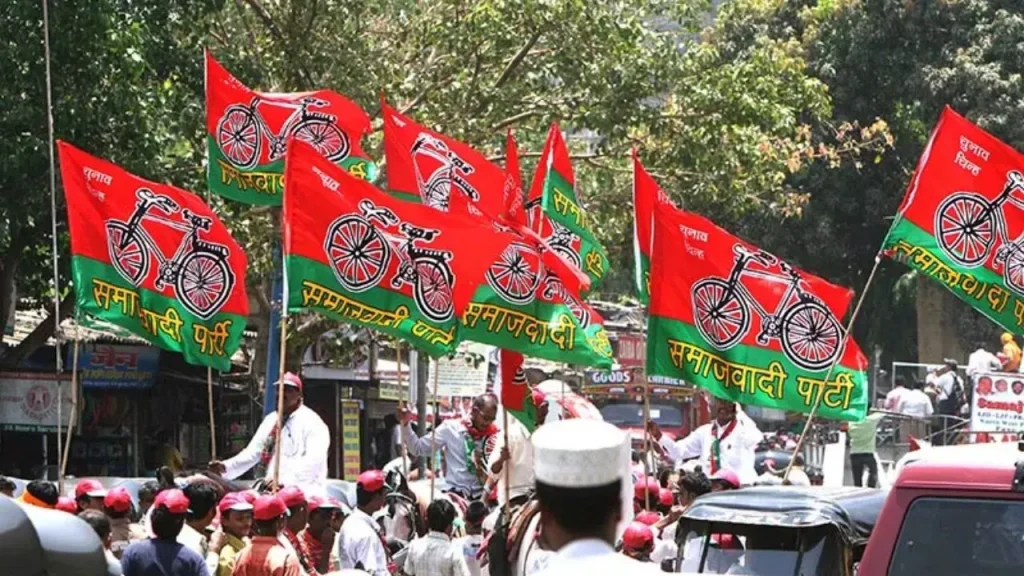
305	438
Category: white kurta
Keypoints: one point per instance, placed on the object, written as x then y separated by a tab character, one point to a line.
305	442
359	543
736	449
520	463
592	557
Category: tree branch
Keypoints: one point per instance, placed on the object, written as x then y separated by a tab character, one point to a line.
264	15
501	157
516	60
39	335
513	119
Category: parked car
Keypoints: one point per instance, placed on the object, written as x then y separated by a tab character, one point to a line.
952	510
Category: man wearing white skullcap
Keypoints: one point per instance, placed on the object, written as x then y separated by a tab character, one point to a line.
580	467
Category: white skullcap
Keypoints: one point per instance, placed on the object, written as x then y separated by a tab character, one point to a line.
578	453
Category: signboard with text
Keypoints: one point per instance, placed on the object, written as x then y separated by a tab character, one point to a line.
350	453
117	366
997	405
631	351
28	401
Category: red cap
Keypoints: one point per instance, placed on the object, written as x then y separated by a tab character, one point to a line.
649	485
118	499
371	480
234	501
173	500
316	503
637	536
268	507
292	496
250	496
726	476
67	504
648	517
91	488
666	497
291	380
537	396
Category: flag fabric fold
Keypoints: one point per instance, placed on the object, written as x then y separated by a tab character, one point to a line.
359	255
557	213
646	195
738	321
961	222
248	132
153	259
514	392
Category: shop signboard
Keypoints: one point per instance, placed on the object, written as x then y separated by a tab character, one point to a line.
350	440
117	366
28	401
461	376
997	407
631	351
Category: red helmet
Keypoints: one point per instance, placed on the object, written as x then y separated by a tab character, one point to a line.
648	518
643	486
637	537
666	497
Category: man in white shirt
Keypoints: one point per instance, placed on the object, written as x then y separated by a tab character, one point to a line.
463	442
895	396
581	466
360	544
981	361
518	455
727	442
945	380
305	442
434	554
202	507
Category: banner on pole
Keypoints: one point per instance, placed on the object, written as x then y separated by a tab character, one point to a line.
350	444
997	406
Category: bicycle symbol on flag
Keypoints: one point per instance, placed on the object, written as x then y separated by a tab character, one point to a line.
198	271
810	334
967	226
242	130
436	188
360	255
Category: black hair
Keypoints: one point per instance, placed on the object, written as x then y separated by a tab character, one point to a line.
148	489
484	400
581	511
202	498
663	476
43	490
326	513
99	522
364	496
899	381
476	512
798	460
114	514
165	525
266	527
695	483
6	484
440	515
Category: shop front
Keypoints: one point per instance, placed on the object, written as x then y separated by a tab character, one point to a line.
32	405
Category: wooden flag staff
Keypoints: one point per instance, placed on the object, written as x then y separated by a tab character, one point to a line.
72	417
209	397
280	393
433	431
403	401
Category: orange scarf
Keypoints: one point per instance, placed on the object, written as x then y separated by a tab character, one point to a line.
30	499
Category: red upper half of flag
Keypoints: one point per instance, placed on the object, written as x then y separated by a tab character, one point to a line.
513	381
515	210
431	165
142	228
280	115
554	156
733	290
646	194
323	203
967	191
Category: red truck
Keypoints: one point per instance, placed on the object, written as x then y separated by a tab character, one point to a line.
956	510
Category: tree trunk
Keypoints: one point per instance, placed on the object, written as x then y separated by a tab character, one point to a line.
8	272
38	337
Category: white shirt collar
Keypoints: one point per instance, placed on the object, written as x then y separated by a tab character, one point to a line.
585	548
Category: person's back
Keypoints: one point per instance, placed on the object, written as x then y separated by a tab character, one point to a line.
434	554
265	556
162	555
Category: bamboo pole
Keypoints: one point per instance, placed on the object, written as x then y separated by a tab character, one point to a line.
74	412
213	429
433	430
403	399
828	375
647	445
280	394
507	468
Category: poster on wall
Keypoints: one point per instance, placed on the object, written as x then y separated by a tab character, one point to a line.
28	401
997	407
350	440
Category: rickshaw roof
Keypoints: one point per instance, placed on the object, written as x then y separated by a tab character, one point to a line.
852	511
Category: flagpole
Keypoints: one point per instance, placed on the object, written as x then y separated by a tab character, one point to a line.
508	465
280	395
647	445
433	430
828	375
209	397
403	398
74	413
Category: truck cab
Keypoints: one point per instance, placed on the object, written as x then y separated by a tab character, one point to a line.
959	510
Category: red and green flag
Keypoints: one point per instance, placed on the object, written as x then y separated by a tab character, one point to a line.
428	167
153	259
514	392
514	208
733	319
248	132
359	255
646	195
557	212
961	222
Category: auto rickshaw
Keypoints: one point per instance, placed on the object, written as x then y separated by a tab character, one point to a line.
777	531
38	542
